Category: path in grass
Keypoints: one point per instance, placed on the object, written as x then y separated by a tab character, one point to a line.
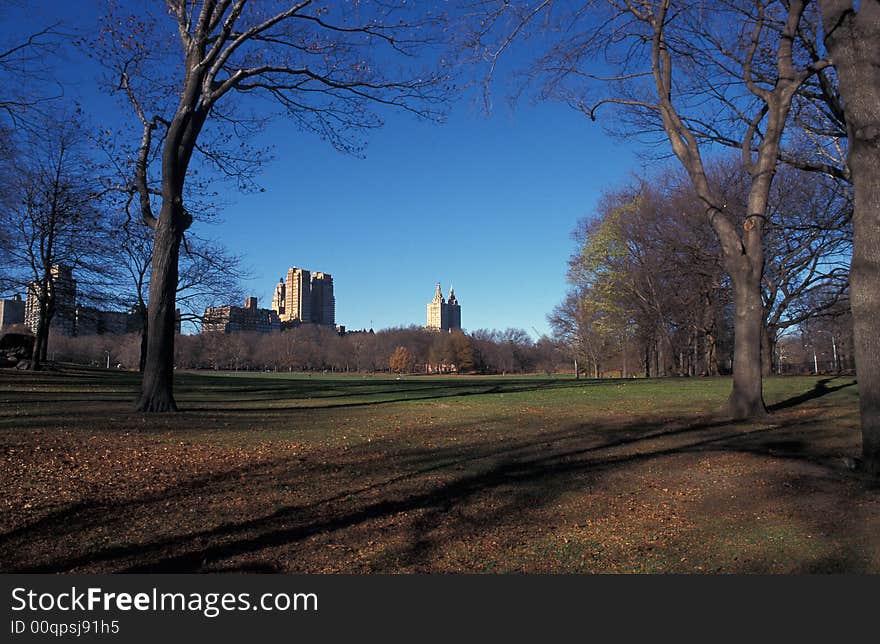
358	474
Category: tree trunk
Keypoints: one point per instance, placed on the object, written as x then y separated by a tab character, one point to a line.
658	360
158	383
711	355
40	341
851	38
142	361
744	262
44	320
864	160
142	312
43	339
746	399
768	346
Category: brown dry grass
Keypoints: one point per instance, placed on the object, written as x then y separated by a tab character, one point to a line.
297	474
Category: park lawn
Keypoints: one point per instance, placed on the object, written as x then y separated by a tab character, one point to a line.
331	473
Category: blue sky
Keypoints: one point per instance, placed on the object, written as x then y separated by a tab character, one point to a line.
485	203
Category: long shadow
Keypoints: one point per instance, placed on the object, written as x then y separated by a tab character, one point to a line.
75	517
506	466
492	390
820	389
344	391
315	394
534	472
511	470
37	399
195	394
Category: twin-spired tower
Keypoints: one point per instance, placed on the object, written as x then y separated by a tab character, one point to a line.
444	315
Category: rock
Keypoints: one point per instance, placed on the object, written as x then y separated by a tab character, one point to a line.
16	349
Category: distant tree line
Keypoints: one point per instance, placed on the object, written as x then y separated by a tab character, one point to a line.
649	294
315	348
821	345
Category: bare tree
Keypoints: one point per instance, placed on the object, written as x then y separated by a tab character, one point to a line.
702	74
208	276
648	265
648	256
26	89
402	360
326	66
28	85
56	227
583	326
837	104
809	241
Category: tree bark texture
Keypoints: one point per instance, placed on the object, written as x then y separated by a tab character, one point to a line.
768	347
746	399
852	40
142	313
157	390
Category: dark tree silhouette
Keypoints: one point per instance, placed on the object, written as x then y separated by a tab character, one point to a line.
54	223
326	65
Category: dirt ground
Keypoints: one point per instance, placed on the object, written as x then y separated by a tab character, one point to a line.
431	476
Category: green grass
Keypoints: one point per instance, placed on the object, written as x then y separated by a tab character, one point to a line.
334	408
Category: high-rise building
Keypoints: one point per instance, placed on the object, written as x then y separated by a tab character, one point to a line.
279	299
11	311
444	315
323	300
453	310
305	298
64	286
437	311
298	295
73	319
92	321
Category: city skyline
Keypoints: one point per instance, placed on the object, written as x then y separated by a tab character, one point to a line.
474	196
305	297
474	230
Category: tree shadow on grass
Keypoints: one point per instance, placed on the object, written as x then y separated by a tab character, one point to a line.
391	396
211	392
470	485
516	477
820	389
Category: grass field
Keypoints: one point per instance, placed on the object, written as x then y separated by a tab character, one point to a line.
273	472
